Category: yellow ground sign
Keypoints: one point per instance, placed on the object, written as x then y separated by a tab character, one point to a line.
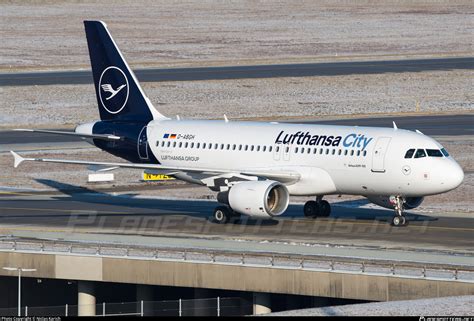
156	177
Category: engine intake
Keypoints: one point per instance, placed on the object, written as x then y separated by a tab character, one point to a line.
257	198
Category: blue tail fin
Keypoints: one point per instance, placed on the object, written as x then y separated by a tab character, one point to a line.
119	94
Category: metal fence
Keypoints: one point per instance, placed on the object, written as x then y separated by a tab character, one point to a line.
464	273
232	306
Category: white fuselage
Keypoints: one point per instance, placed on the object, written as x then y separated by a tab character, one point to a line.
330	159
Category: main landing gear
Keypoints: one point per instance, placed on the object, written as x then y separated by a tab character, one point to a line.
318	208
223	215
399	219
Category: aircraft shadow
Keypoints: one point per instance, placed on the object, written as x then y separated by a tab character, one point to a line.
114	204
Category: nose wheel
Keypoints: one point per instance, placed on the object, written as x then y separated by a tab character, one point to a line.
399	219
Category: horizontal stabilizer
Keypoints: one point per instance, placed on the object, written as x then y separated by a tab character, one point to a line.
56	132
17	159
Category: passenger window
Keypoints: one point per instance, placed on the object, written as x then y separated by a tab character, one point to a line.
192	145
276	150
315	151
365	152
258	148
180	144
222	146
234	146
228	146
157	143
163	144
339	152
420	153
270	148
309	150
197	145
434	153
264	148
203	145
445	152
240	147
251	148
321	151
352	152
327	151
287	149
296	150
168	145
334	152
302	150
409	153
174	144
216	146
345	152
246	147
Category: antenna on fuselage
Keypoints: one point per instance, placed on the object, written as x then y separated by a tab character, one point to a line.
418	131
394	126
178	118
225	118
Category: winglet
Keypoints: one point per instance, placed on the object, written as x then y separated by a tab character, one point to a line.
18	159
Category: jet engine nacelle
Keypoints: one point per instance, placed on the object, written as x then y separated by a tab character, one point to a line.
384	201
257	198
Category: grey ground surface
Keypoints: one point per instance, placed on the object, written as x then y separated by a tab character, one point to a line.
438	307
170	33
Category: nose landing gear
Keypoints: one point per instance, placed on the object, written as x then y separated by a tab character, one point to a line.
318	208
399	219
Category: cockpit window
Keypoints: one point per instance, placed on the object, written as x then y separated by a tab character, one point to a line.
410	153
445	152
434	153
420	153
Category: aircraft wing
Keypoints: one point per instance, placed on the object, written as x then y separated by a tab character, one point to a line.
56	132
283	176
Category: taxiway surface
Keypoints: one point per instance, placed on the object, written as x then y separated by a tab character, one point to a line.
243	72
96	212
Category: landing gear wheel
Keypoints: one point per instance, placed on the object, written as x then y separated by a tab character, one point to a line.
222	215
324	209
311	209
399	220
405	221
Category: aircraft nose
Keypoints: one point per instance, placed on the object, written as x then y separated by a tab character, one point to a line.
455	175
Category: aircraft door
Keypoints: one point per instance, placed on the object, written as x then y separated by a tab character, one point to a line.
378	155
143	144
276	152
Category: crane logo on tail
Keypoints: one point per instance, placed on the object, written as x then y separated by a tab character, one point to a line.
113	100
110	89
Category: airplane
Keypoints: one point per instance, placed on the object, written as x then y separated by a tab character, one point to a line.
255	166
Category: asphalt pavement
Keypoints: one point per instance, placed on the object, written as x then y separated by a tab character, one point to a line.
241	72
